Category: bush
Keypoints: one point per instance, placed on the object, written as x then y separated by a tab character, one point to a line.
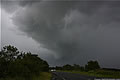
18	64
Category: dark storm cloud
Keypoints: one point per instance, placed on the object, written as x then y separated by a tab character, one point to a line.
76	31
12	5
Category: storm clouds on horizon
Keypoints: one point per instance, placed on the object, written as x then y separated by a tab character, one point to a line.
70	31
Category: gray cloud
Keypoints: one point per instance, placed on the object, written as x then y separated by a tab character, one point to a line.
12	5
75	31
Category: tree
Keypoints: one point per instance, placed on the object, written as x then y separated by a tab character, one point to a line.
3	67
35	63
78	67
67	67
9	53
92	65
58	68
14	63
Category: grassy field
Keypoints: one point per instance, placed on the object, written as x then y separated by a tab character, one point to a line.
43	76
99	73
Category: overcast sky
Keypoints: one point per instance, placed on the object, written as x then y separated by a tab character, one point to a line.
67	31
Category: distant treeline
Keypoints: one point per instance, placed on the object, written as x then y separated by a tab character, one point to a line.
91	65
14	63
111	69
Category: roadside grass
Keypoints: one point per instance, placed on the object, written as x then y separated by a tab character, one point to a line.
42	76
99	73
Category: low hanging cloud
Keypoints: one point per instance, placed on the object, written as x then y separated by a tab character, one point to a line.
75	31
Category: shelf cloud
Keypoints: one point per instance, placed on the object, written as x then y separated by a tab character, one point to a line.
75	31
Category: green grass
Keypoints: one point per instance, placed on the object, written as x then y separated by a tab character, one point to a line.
99	73
42	76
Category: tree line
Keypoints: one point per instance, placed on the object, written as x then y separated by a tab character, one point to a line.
14	63
91	65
